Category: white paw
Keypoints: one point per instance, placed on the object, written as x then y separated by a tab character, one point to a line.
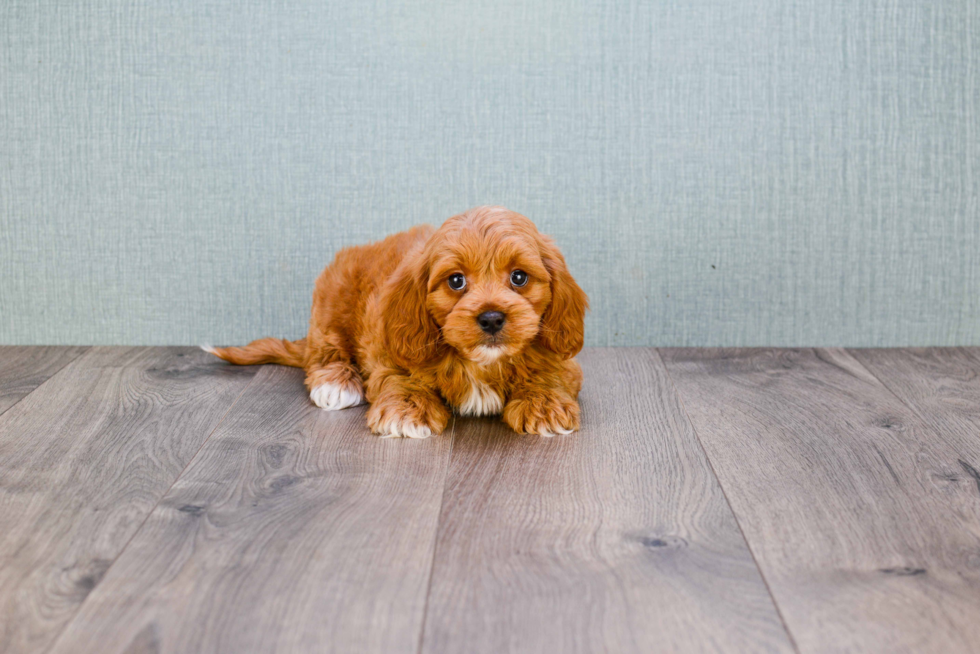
404	429
335	396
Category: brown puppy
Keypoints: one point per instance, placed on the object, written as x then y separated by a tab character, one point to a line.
481	314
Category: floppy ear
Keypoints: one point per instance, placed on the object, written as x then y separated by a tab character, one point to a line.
563	323
411	335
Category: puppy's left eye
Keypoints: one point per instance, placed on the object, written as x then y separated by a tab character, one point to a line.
518	278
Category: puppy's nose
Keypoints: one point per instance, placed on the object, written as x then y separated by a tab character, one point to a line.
491	321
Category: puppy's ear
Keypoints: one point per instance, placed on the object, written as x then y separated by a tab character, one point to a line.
411	336
563	323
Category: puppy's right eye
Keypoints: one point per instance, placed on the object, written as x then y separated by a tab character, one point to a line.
457	282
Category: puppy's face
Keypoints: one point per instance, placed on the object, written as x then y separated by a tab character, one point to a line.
488	291
492	278
486	284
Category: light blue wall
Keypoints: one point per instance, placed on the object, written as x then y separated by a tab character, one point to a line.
753	172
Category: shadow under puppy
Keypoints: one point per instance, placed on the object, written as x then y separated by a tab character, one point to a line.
481	314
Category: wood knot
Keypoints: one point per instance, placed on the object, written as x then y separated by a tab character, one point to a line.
284	481
659	542
275	454
890	423
903	571
89	575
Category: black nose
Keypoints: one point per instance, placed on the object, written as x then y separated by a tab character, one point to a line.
491	321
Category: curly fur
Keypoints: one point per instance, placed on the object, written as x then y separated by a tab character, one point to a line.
386	327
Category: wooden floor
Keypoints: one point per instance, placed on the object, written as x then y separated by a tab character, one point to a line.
159	500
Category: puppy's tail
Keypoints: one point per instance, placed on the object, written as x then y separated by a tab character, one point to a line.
264	350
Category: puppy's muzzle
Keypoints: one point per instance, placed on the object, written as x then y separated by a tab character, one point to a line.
491	322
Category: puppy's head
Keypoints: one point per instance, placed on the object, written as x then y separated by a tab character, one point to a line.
491	284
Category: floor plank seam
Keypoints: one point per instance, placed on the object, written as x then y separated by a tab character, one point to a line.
967	468
88	348
435	538
68	623
871	372
738	523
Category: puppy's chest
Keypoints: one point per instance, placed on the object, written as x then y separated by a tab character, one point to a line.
474	395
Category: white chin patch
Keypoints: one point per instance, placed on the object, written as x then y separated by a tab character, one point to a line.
404	429
335	396
486	354
482	401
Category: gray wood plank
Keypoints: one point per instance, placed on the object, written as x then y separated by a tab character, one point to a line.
24	368
293	530
83	460
943	386
843	493
615	539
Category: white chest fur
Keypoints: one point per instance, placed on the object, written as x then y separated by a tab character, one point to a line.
481	401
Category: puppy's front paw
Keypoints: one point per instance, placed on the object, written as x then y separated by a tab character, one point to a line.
545	415
400	418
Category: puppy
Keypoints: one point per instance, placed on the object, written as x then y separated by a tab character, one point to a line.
480	315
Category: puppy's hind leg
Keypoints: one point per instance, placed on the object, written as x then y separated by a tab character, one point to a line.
331	376
335	386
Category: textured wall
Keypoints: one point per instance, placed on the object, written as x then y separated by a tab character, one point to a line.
754	172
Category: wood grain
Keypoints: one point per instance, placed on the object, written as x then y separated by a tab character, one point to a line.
614	539
22	369
83	460
844	495
293	530
942	385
